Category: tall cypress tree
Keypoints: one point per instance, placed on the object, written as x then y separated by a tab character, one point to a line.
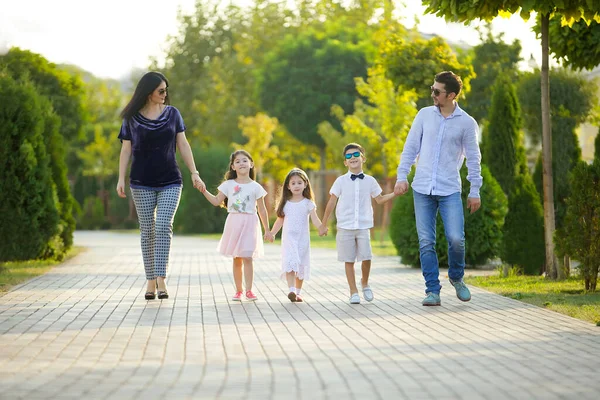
504	153
28	198
523	233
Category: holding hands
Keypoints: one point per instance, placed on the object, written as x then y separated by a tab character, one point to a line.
323	230
269	237
197	182
401	188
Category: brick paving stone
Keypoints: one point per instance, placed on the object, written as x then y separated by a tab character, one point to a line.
83	330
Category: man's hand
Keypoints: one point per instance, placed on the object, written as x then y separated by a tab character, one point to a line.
473	204
401	188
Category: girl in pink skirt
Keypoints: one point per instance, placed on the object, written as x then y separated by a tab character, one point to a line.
242	237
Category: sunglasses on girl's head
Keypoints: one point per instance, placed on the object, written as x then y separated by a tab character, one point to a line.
163	91
436	92
350	155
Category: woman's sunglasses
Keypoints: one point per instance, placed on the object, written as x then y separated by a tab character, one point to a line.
350	155
163	91
436	92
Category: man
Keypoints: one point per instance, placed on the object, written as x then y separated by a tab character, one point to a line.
441	136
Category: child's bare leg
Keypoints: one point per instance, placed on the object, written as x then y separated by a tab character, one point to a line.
351	277
290	277
237	274
299	283
366	270
248	272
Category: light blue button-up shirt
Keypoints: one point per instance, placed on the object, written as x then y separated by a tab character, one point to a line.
441	145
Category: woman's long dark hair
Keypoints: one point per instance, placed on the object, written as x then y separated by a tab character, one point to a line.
148	84
286	193
231	174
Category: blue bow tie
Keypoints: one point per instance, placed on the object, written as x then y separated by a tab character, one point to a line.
359	176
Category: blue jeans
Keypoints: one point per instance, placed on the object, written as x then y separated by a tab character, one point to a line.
451	210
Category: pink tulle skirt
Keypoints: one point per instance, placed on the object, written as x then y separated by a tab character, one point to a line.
242	236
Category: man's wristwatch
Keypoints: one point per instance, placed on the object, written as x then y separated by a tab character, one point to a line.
196	172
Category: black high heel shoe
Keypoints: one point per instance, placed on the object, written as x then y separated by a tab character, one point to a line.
162	294
150	296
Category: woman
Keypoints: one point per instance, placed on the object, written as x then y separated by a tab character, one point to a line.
152	130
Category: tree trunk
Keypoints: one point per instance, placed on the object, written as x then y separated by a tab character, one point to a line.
552	270
567	261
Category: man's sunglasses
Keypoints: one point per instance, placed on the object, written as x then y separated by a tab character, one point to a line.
350	155
163	91
436	92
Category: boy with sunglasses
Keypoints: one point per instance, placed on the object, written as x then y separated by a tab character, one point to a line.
440	138
354	214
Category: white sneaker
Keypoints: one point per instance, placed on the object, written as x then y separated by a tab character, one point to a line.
367	293
355	298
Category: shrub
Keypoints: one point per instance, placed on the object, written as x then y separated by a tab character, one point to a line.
483	229
579	236
28	200
92	216
523	242
503	149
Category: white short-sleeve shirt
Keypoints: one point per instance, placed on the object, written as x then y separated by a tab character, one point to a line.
241	197
354	209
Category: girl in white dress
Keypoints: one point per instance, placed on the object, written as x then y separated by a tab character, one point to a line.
294	208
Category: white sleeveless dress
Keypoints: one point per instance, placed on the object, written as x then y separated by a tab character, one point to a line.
295	239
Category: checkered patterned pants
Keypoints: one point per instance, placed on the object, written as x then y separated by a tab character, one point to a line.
156	211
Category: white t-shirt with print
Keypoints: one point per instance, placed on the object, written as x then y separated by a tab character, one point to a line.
354	208
241	197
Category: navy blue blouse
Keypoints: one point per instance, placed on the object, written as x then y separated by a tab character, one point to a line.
153	144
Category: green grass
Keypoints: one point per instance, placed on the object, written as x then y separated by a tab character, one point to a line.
566	297
14	272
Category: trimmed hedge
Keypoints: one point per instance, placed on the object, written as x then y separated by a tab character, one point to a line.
28	199
483	229
523	243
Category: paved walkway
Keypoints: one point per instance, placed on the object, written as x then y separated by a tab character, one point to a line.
84	331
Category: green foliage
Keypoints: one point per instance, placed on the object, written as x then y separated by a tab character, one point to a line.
523	234
195	214
412	63
576	46
64	117
28	201
92	216
307	74
504	152
579	236
597	146
572	98
483	229
565	155
56	148
469	10
64	90
380	123
492	58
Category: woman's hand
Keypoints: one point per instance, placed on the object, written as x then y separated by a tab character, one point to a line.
198	183
121	188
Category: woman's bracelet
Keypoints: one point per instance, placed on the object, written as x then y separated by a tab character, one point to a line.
196	172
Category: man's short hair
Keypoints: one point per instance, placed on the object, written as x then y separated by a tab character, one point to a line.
452	82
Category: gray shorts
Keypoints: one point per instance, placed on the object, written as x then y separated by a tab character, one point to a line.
353	245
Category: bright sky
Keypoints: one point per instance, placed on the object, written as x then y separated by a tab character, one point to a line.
111	37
